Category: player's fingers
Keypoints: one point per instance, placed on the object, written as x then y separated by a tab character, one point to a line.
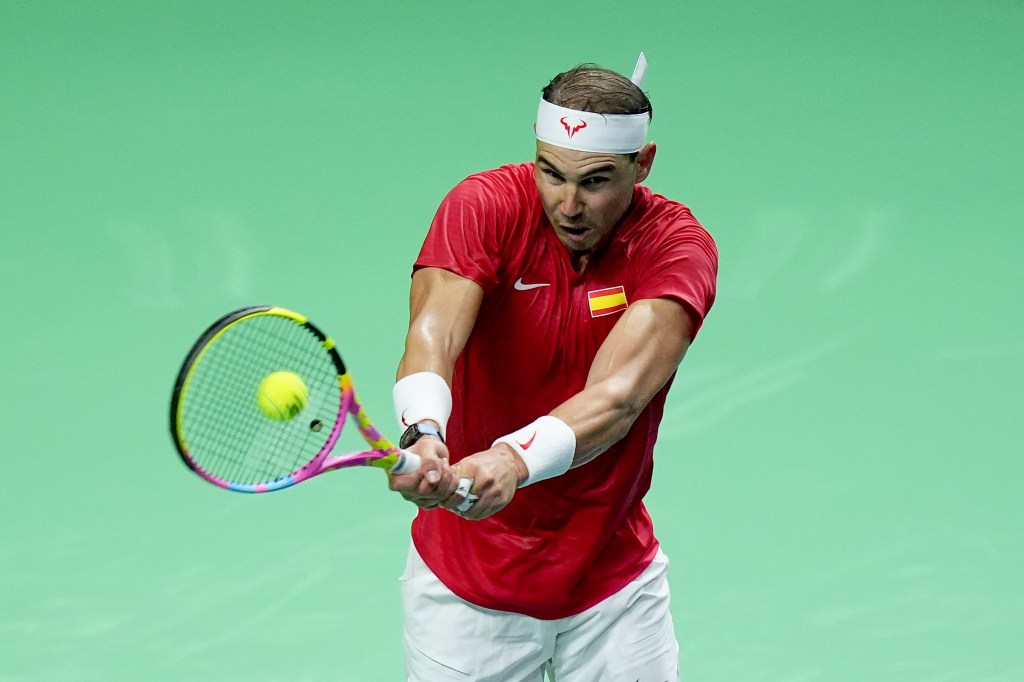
483	498
401	482
433	463
463	480
464	499
477	507
433	460
447	485
434	479
432	476
429	495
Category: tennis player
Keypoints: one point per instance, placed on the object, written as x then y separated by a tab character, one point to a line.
551	305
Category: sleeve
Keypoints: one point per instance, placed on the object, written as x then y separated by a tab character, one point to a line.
684	268
465	236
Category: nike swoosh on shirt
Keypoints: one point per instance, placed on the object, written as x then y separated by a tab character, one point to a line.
519	286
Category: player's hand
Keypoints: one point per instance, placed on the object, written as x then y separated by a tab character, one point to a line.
433	482
496	474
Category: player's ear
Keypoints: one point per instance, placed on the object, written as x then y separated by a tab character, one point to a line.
644	161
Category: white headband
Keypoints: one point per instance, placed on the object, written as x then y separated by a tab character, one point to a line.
586	131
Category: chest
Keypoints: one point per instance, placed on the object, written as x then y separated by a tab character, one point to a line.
545	318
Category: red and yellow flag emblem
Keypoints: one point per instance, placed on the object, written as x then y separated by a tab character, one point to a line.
607	301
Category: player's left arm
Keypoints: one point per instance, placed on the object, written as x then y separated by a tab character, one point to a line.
635	361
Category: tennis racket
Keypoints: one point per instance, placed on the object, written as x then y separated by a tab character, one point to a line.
224	436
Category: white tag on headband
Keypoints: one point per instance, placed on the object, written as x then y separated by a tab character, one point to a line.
586	131
640	71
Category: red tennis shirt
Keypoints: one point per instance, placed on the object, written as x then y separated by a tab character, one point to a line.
566	543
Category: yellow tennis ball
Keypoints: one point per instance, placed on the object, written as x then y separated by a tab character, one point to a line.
282	395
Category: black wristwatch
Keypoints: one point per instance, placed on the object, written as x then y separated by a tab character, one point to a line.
417	431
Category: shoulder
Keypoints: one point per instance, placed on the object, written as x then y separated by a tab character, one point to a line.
497	200
516	179
483	217
658	225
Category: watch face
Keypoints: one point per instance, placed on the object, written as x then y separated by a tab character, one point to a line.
411	435
415	432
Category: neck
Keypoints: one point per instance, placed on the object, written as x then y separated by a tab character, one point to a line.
579	260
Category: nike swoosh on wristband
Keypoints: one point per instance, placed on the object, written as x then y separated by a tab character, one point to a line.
405	423
527	444
519	286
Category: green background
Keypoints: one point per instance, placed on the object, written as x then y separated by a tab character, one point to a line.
839	476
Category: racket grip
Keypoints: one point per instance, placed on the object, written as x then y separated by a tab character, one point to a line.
407	463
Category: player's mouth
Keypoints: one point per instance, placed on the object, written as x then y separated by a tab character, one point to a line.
575	233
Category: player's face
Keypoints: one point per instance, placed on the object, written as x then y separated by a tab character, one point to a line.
586	194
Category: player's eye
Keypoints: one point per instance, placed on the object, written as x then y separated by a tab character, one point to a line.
594	182
553	175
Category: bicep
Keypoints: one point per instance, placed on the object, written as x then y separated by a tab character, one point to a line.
443	308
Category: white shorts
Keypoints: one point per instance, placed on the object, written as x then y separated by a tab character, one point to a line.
628	636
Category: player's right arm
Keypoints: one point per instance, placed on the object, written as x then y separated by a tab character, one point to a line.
443	308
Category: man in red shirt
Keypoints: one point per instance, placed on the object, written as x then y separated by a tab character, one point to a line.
551	305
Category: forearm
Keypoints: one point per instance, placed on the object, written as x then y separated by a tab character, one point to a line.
635	362
443	309
600	416
428	350
574	433
633	365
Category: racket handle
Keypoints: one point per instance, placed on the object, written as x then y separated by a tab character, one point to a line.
407	463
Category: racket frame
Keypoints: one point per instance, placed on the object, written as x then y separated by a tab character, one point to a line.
383	454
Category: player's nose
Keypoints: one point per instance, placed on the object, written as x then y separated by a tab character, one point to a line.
570	204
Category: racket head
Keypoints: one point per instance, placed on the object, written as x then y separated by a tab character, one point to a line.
219	430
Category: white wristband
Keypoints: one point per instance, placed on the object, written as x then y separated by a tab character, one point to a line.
423	395
547	446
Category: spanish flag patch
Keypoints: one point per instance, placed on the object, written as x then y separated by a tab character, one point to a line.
607	301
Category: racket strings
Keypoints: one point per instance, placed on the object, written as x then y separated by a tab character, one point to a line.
226	434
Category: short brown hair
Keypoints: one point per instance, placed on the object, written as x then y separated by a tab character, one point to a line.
588	87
